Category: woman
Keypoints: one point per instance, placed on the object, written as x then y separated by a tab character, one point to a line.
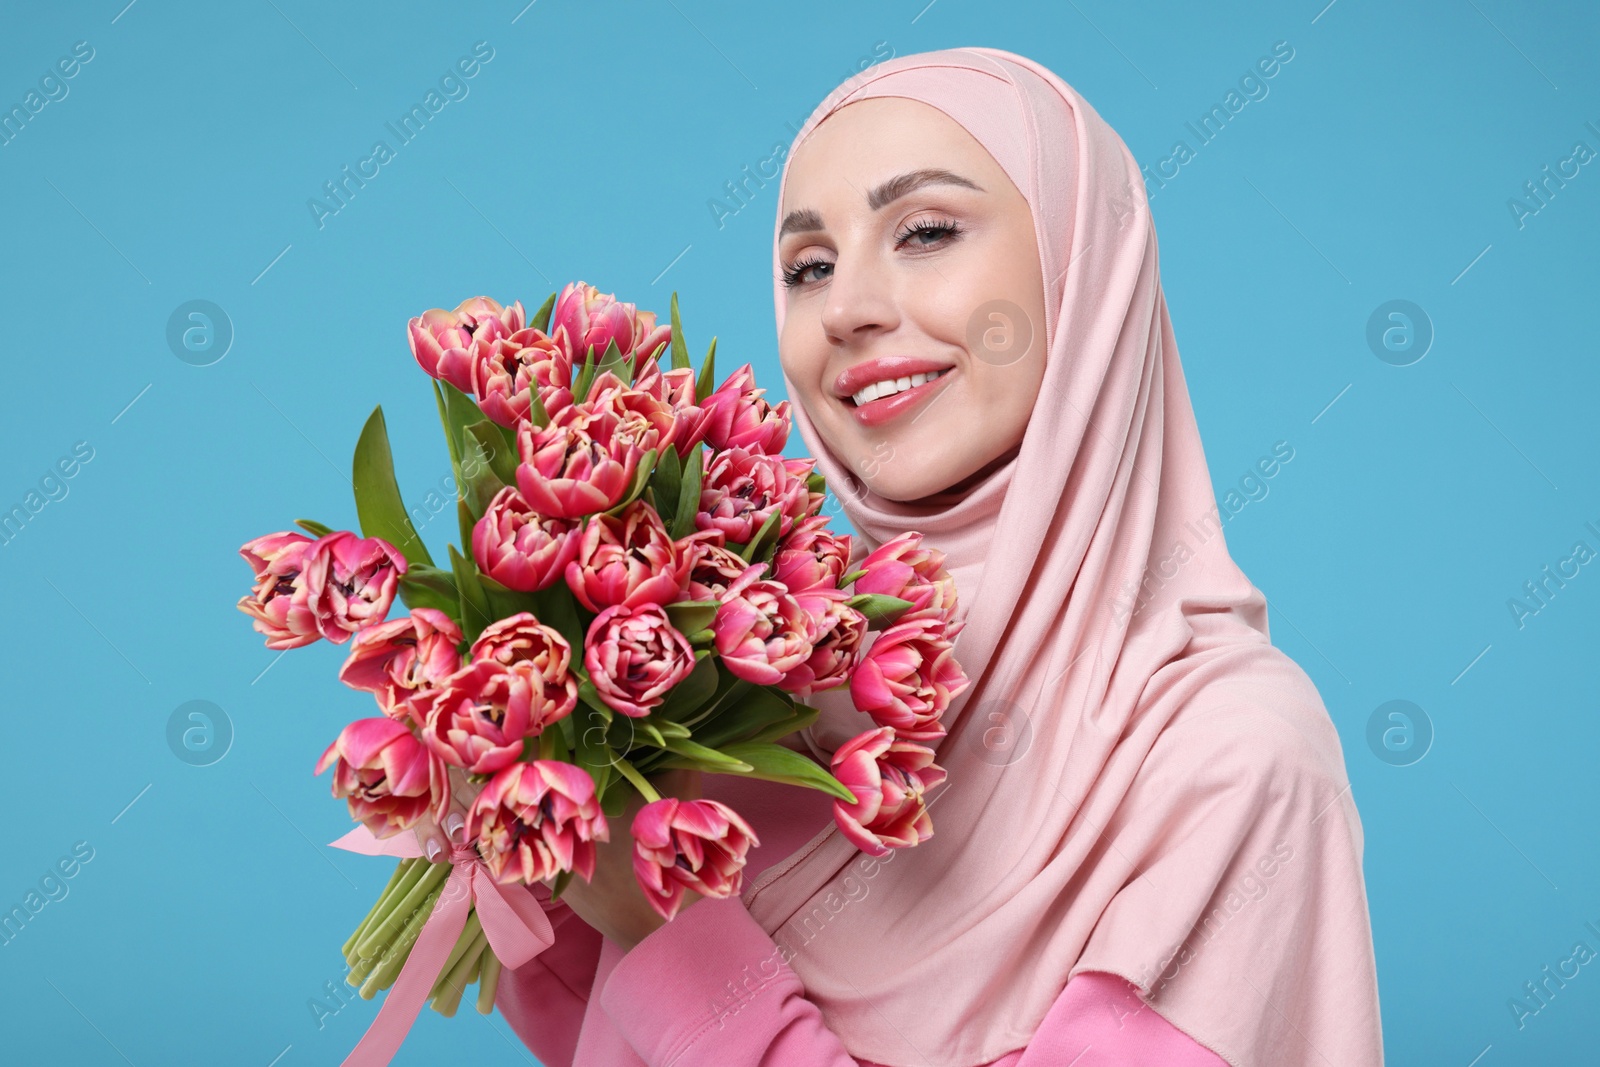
1146	851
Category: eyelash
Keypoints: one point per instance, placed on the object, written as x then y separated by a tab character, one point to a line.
792	276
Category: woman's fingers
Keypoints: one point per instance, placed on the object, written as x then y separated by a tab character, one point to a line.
434	839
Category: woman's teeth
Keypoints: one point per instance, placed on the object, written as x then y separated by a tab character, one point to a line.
891	386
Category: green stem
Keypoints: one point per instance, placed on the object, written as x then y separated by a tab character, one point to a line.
637	781
488	981
399	874
469	933
456	979
373	940
410	923
398	951
361	960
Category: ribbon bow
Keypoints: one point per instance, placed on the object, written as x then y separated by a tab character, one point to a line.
513	922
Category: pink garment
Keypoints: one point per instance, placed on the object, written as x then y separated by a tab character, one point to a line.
710	988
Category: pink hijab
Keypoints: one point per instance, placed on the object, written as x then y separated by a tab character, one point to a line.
1139	781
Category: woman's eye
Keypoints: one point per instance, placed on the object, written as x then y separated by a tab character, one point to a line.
796	275
928	234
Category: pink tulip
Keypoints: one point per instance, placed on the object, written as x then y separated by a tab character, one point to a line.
387	777
689	844
628	559
577	465
908	677
535	820
642	417
480	716
508	366
715	567
762	632
738	417
635	657
521	638
518	547
350	582
675	388
905	567
888	777
741	488
592	318
448	344
812	556
277	602
398	660
839	631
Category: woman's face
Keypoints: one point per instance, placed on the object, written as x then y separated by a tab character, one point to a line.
933	275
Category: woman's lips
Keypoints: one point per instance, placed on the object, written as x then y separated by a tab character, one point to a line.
877	412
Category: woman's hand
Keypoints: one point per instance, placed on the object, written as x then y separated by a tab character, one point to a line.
614	903
431	838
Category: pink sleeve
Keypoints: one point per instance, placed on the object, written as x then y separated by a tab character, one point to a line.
544	1000
712	987
1099	1020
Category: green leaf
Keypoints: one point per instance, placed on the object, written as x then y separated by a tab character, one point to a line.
585	378
589	695
501	454
503	602
816	483
590	750
666	481
560	884
708	758
804	716
699	686
766	533
465	520
612	360
760	707
426	586
314	528
880	609
444	424
541	318
460	411
667	728
479	482
680	350
536	412
704	386
851	577
614	801
475	614
688	496
774	763
556	607
378	505
691	616
641	478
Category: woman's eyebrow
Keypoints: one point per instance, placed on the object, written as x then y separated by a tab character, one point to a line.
806	220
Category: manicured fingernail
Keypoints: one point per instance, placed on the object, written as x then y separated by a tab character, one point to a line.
434	848
454	823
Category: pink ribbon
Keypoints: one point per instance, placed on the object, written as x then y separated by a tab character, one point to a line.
513	921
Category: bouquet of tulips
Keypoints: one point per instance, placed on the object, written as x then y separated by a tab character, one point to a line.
647	585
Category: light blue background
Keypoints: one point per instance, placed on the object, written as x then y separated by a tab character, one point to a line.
179	165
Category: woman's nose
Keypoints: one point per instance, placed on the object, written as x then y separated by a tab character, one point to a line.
859	301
